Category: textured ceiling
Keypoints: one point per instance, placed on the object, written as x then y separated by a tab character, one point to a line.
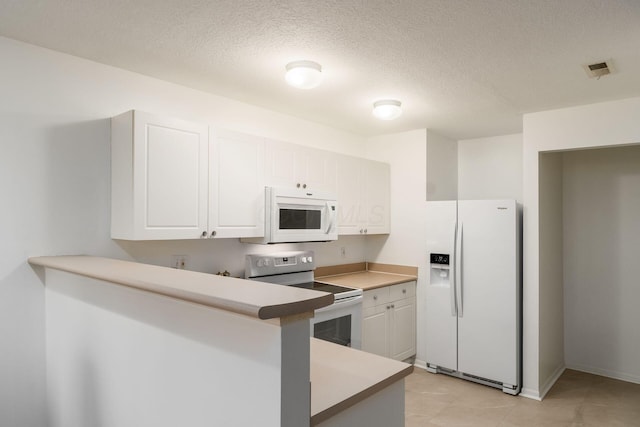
462	68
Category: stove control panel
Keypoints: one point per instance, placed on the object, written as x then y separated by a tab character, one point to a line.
258	265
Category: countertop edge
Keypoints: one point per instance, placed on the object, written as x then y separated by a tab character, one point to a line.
89	266
336	387
359	397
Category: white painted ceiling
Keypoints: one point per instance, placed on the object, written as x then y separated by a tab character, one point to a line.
464	68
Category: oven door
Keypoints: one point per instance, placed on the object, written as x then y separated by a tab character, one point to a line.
340	323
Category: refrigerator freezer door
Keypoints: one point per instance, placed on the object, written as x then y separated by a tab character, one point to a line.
441	324
488	331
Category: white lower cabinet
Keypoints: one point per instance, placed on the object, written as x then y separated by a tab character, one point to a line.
389	321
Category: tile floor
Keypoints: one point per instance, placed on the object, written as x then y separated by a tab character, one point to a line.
576	400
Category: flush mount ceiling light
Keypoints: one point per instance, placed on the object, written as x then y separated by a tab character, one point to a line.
303	74
387	109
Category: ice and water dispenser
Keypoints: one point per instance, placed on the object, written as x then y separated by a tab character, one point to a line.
440	269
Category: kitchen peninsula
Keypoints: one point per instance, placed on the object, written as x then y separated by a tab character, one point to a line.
136	344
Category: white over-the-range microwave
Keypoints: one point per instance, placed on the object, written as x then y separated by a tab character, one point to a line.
298	215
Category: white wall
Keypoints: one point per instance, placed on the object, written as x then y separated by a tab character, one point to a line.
442	167
601	246
490	168
551	350
603	124
406	244
123	357
54	179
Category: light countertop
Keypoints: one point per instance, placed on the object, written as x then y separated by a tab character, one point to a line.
259	300
366	280
342	377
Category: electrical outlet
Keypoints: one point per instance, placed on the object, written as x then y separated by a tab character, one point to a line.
343	251
179	261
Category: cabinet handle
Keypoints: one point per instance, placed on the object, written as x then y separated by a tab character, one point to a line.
393	306
213	234
203	235
298	185
361	231
375	297
304	185
404	291
365	231
388	307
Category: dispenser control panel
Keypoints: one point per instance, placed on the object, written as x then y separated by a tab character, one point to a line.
442	259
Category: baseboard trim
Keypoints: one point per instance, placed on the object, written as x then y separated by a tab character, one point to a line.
551	381
530	394
606	373
420	364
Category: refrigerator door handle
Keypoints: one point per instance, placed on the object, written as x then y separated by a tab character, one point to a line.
458	268
452	272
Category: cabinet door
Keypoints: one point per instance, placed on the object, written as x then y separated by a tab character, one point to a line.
377	184
159	177
297	166
236	199
316	169
350	196
403	328
375	330
280	164
363	196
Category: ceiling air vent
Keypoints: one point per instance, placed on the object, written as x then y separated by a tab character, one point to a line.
598	69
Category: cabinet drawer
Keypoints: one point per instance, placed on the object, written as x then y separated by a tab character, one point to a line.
375	297
402	290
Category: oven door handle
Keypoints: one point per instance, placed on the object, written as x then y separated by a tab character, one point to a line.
348	302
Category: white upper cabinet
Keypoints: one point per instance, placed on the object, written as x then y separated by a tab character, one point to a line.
236	204
159	177
377	193
171	179
297	166
363	196
350	195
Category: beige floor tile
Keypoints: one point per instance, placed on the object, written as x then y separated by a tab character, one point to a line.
577	399
413	420
533	413
614	393
483	397
598	415
461	416
424	404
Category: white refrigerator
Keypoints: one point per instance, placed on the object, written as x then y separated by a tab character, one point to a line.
473	298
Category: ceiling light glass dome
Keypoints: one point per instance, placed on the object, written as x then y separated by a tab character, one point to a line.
387	109
304	74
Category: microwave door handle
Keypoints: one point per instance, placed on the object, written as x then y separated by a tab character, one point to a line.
332	218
